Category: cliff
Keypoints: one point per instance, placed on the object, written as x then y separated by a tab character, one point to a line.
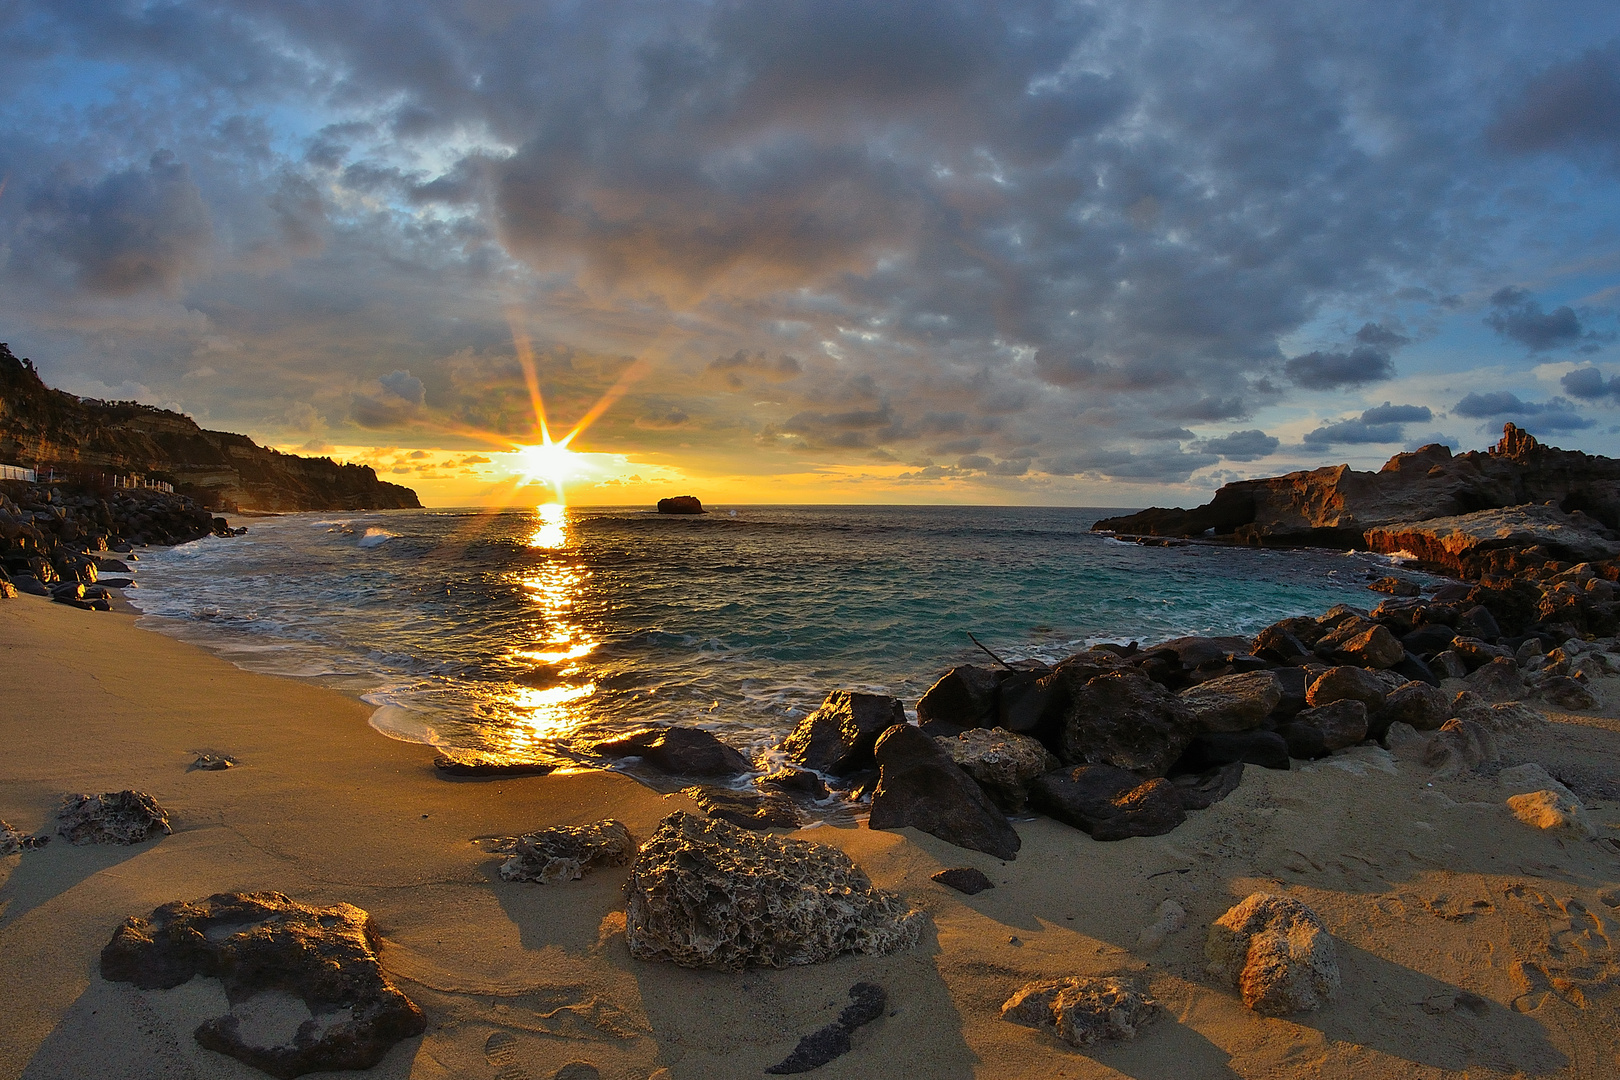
45	428
1448	511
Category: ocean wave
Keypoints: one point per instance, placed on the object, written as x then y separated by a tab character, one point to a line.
376	537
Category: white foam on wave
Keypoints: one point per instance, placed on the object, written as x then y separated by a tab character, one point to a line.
375	537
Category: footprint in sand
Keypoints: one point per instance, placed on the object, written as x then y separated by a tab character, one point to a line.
501	1048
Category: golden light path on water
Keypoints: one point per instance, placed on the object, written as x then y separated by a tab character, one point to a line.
546	709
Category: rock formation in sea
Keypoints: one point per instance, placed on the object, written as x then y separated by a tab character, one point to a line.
1519	503
44	428
681	504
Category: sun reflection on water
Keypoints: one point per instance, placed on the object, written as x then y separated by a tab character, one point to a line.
544	705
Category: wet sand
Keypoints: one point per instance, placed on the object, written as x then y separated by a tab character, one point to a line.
1469	942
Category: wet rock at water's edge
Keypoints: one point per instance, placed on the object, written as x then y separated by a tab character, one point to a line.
920	786
679	751
318	966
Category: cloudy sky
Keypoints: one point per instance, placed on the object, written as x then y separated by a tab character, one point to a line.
1108	253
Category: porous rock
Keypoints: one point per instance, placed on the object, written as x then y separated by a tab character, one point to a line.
680	751
1081	1011
113	817
1108	803
752	811
1172	918
1347	682
706	893
921	787
1003	763
565	852
1234	702
1276	952
867	1002
11	841
257	943
1128	721
1566	693
839	736
1552	810
964	696
964	879
1200	791
1498	680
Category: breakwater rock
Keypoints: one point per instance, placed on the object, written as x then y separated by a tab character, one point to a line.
1516	506
41	427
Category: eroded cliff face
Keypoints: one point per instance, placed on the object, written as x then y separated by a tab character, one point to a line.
1340	507
41	427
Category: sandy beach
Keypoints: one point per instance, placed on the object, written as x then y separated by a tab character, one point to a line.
1470	944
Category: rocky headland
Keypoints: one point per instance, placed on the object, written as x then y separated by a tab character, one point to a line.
41	428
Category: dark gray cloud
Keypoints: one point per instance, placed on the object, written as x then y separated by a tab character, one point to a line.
741	363
1242	445
1588	384
1336	370
128	231
1574	105
399	402
1381	424
1517	315
1551	416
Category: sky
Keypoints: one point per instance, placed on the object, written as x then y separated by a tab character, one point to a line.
1110	254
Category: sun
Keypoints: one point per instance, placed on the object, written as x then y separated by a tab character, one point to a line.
547	462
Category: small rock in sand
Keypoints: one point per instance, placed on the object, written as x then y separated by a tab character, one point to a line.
1172	917
1566	693
565	852
771	810
212	763
964	879
867	1002
1081	1011
114	817
1552	810
1276	952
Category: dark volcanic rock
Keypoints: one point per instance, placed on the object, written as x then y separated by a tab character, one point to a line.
565	852
1423	706
751	811
1320	731
1108	803
1498	680
867	1003
1199	791
1234	702
1210	750
964	696
964	879
839	736
680	751
115	817
1348	683
704	893
264	943
802	781
681	504
1034	704
1127	721
467	763
1430	639
1278	644
920	786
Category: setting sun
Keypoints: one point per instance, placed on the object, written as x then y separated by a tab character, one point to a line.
549	462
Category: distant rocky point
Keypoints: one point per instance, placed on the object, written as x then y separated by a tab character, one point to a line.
681	504
41	428
1519	504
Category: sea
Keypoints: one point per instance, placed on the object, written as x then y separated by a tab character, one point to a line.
532	632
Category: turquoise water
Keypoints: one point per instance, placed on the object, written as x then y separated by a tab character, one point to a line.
528	630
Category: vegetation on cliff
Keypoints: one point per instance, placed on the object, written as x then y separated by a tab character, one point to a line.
45	428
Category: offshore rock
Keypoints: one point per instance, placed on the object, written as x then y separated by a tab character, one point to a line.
704	893
1128	721
1460	543
838	737
867	1001
681	504
1108	803
1081	1011
1276	952
752	811
921	787
1002	762
264	943
1234	702
680	751
115	817
964	696
565	852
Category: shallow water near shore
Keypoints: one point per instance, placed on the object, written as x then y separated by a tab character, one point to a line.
530	631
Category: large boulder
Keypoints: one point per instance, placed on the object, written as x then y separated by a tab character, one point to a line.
1200	791
1348	682
1322	730
1212	750
681	504
1422	706
921	787
1034	703
1081	1011
1002	762
1498	680
1276	952
113	817
1566	693
1234	702
680	751
964	697
1128	721
1108	803
334	1008
565	852
704	893
1373	647
838	737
